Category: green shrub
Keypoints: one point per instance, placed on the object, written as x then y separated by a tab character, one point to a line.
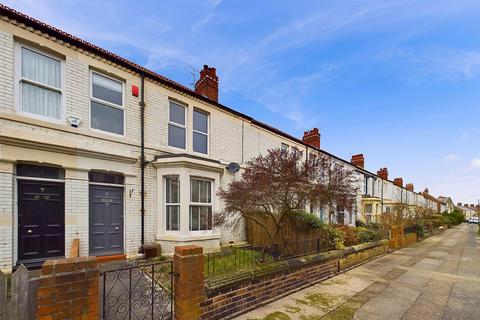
420	230
367	235
336	236
453	218
310	220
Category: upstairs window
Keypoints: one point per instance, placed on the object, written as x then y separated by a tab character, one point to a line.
40	84
200	205
200	132
107	112
177	126
284	147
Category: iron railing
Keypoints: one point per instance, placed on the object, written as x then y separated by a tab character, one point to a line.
234	259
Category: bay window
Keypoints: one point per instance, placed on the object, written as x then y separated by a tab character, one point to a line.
200	205
106	108
177	126
40	83
172	200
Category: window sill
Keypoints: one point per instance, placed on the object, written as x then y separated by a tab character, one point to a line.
186	238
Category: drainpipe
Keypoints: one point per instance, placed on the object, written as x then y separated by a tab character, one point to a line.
382	196
142	157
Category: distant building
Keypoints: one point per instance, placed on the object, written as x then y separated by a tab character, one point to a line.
446	204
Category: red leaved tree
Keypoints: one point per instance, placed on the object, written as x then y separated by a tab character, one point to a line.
281	185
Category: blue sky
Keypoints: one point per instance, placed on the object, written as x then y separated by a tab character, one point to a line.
396	80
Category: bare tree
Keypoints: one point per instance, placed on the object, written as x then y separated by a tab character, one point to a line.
280	185
404	214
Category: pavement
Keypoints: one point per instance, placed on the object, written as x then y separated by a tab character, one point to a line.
438	278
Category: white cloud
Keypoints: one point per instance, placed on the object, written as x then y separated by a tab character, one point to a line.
475	163
451	157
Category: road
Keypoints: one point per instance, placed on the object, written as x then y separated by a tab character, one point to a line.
438	278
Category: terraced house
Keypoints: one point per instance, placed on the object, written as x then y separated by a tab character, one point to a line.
97	148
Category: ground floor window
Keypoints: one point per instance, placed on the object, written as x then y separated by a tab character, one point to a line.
172	200
200	204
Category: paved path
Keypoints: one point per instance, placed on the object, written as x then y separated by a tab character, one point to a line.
438	278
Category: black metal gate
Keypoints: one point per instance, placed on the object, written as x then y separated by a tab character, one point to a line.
138	290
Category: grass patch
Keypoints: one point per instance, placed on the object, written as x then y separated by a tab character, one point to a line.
232	259
292	309
318	300
277	315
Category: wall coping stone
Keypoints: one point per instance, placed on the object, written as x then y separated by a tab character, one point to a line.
368	245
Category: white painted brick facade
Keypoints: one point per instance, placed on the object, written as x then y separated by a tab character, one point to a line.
76	210
6	72
6	215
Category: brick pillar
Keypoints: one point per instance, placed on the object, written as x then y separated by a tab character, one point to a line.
189	282
68	289
394	237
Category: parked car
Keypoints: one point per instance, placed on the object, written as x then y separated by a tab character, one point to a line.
473	220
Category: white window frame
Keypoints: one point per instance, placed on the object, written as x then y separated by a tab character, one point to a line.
18	79
172	204
178	125
366	206
199	132
109	104
200	204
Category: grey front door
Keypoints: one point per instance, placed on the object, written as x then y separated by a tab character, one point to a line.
106	220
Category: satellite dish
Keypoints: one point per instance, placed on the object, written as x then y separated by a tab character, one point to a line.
233	167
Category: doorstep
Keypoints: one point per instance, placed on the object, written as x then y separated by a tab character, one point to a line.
112	257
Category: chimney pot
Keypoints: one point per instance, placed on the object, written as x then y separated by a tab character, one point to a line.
425	191
207	85
398	182
383	173
312	138
358	160
409	187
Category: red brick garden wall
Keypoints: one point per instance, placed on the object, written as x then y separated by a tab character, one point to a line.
68	289
357	255
246	291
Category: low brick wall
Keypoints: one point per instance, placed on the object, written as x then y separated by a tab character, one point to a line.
235	294
356	255
68	289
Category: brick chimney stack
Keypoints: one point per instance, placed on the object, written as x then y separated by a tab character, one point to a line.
358	160
383	173
409	187
425	191
207	85
459	204
472	205
312	138
398	182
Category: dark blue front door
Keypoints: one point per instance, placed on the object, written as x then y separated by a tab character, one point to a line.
41	220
